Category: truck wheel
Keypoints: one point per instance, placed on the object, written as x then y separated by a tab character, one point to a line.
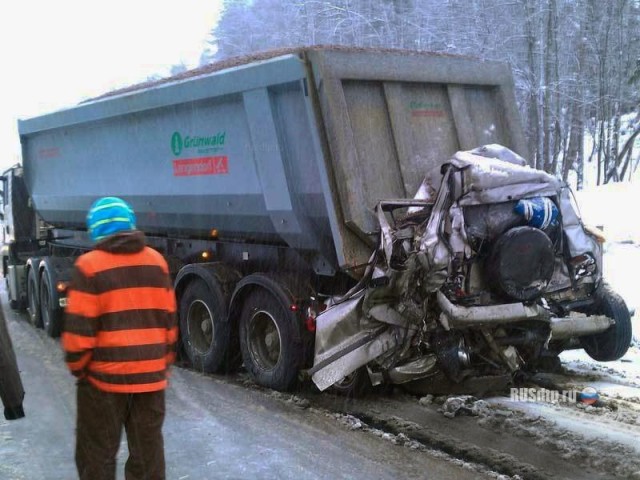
205	334
33	309
355	385
613	343
271	350
50	313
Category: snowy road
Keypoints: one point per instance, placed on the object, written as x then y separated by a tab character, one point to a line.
221	427
533	440
214	429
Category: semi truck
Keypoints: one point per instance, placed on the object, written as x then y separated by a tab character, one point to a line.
354	216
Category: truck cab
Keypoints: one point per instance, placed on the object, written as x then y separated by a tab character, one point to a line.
18	234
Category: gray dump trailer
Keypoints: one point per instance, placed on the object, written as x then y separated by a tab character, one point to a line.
269	184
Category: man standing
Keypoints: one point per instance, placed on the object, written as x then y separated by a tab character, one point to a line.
119	338
11	391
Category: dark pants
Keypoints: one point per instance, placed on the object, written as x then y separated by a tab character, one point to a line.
11	391
101	416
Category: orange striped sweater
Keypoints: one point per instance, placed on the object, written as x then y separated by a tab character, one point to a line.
120	325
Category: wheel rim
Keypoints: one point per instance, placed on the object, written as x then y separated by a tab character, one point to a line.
200	326
45	300
347	382
264	340
33	303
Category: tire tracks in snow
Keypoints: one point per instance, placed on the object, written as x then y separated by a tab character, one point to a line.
462	437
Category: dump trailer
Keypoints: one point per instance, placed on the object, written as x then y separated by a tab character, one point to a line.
268	183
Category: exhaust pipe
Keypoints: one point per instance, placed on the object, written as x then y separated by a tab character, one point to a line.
579	325
575	325
462	317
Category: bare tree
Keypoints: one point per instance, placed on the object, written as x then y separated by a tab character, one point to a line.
572	59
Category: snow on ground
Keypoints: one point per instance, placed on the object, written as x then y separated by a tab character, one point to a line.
612	207
576	430
605	438
620	376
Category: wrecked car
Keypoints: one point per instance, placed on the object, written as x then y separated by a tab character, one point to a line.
482	280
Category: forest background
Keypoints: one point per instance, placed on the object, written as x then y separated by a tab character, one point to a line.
576	63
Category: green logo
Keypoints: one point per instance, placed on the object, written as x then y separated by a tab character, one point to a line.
211	143
176	143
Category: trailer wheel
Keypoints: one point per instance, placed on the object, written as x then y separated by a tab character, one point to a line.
271	350
613	343
205	334
50	313
33	300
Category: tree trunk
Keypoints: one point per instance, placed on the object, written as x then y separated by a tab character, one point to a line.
546	80
533	117
625	153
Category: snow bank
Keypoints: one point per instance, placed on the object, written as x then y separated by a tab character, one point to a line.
613	208
622	376
622	271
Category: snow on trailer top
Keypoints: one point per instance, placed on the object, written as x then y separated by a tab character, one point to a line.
261	56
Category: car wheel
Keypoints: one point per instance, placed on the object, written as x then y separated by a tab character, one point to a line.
613	343
355	385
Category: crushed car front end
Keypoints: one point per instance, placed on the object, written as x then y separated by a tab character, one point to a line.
482	280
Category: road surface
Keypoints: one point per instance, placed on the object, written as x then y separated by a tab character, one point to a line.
227	427
214	428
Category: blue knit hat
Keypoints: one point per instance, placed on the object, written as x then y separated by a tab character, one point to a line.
108	216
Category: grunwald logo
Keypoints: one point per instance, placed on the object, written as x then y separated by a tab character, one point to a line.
179	143
176	143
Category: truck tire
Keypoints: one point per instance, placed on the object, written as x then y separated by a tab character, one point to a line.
354	385
271	349
205	334
33	299
50	312
613	343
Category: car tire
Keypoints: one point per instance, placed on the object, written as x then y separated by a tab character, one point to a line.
613	343
204	333
355	385
271	348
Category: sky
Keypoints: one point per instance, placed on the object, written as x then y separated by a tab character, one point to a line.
56	53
